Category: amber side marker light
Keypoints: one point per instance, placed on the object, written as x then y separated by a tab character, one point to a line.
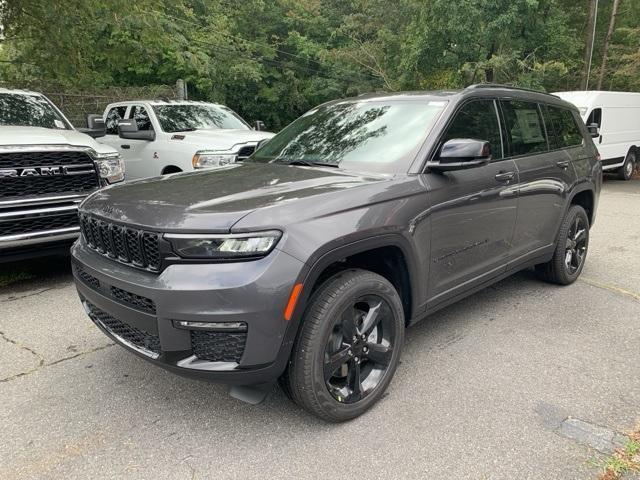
293	299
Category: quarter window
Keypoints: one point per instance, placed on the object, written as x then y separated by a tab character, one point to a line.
115	114
595	117
566	132
478	120
525	130
140	115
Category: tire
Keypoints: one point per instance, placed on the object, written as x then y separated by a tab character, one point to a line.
625	172
333	374
564	268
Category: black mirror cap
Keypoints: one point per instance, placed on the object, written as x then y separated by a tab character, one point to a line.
462	153
594	130
259	126
96	127
128	129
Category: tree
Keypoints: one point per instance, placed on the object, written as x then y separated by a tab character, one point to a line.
607	41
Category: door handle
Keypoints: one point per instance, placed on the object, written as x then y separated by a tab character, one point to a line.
125	146
505	176
564	164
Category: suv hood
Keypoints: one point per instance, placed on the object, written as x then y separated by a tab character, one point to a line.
214	200
33	136
214	138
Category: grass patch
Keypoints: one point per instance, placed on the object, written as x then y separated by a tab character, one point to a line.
9	278
623	460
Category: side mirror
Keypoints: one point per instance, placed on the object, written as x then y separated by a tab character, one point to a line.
460	154
594	130
259	125
128	129
96	127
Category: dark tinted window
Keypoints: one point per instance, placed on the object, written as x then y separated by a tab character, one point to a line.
23	110
595	117
563	131
115	114
140	115
478	120
525	130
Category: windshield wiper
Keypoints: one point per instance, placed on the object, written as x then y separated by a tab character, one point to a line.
307	163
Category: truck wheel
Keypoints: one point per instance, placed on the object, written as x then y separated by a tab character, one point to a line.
349	346
571	249
626	171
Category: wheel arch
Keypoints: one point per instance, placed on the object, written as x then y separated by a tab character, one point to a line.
585	197
170	169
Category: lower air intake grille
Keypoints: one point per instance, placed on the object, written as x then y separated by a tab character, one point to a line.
139	338
136	301
218	346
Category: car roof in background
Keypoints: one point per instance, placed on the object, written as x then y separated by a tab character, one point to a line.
19	91
165	102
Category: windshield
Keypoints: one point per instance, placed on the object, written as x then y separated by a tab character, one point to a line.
380	136
183	118
23	110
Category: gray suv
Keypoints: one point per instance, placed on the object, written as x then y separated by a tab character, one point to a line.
306	262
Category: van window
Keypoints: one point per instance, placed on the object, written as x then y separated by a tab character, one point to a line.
140	115
563	129
478	120
114	114
595	117
525	130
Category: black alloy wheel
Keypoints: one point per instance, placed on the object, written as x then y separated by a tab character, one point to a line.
359	350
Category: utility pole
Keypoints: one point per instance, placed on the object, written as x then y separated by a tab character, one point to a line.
612	26
592	6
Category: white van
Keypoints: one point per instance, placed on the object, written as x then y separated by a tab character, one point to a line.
614	120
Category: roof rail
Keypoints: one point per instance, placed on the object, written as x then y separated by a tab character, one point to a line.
497	85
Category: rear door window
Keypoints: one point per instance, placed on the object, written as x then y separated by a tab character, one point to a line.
524	127
140	115
113	115
477	119
564	130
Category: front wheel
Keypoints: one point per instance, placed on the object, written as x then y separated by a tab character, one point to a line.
349	346
571	249
626	170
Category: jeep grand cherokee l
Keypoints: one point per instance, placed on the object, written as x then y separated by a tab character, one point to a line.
307	261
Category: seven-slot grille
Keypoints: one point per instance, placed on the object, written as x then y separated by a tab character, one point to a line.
40	173
139	248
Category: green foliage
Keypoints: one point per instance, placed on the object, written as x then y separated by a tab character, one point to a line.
275	59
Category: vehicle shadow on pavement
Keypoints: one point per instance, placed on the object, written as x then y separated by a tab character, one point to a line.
35	273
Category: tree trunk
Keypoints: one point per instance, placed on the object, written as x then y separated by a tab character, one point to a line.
588	44
612	26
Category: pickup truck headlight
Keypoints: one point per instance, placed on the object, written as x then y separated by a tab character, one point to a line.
238	245
204	159
110	166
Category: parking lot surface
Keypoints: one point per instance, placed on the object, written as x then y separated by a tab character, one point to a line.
522	380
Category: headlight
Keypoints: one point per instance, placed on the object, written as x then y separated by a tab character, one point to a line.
212	159
239	245
110	166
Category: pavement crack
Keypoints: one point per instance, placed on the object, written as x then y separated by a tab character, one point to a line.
611	288
24	347
32	294
42	363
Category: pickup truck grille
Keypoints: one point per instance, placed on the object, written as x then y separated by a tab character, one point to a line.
40	173
19	226
139	248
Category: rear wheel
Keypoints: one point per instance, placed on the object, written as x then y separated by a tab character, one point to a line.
349	346
571	249
626	171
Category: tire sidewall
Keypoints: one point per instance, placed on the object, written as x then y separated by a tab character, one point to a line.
368	283
573	212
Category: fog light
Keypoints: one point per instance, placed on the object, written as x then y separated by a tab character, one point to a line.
215	326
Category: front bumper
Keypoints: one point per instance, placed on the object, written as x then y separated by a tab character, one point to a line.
144	319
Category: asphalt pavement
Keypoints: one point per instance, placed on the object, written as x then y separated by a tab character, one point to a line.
523	380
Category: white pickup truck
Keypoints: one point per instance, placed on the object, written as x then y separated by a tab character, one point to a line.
160	137
46	169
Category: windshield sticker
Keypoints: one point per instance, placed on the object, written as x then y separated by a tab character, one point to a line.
59	123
